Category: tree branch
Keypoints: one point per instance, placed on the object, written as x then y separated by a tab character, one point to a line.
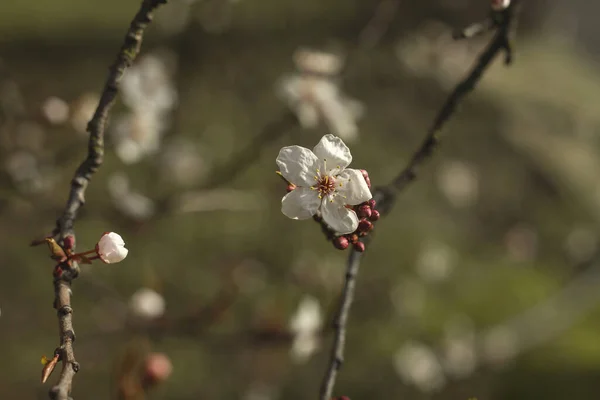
385	196
64	225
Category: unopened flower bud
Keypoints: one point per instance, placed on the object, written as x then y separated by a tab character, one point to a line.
157	368
374	215
364	211
365	174
341	242
364	226
69	242
372	203
111	248
359	246
290	187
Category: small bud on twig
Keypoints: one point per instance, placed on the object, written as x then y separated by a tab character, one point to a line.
49	366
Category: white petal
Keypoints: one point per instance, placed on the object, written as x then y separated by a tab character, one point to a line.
111	248
338	217
337	154
300	203
298	165
352	187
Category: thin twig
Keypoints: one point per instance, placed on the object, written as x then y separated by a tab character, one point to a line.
339	326
384	14
386	195
64	225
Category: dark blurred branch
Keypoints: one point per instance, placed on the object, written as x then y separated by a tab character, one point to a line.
64	225
386	196
502	21
384	14
238	162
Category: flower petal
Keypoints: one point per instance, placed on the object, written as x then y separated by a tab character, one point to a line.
339	218
351	187
300	203
335	152
298	165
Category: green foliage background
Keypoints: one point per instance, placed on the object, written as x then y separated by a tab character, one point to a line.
530	131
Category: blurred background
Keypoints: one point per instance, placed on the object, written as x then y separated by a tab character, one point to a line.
481	282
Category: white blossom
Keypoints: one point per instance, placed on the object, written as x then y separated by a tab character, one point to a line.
314	94
306	325
147	304
128	201
137	135
147	86
417	364
56	110
111	248
324	185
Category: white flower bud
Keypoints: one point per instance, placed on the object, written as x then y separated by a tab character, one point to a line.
147	304
111	248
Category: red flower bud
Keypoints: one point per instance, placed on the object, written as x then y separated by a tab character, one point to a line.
290	187
374	215
364	211
157	368
364	226
341	243
372	203
359	246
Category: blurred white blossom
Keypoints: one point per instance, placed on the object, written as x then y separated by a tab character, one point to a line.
55	110
418	365
306	326
581	243
459	347
148	91
82	111
132	204
147	304
436	261
147	86
314	95
432	52
459	182
137	135
181	163
24	170
260	391
500	345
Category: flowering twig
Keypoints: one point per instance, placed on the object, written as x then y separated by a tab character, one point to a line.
385	196
64	225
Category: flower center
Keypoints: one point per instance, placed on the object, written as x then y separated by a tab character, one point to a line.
325	185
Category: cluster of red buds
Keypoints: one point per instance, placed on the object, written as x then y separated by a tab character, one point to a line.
367	215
